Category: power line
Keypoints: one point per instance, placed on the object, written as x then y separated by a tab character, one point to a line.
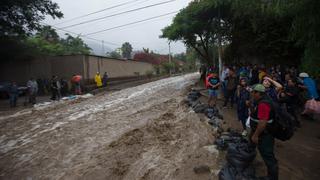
84	36
132	10
131	23
145	23
95	12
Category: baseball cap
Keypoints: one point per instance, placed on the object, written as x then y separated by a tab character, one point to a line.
259	88
303	75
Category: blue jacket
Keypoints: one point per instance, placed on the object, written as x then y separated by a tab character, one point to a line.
311	86
13	90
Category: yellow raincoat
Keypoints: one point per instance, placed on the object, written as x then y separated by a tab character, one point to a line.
98	81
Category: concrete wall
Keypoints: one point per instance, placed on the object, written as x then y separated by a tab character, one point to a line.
66	66
114	67
20	71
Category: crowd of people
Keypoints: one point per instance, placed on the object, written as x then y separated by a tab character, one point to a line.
256	90
58	88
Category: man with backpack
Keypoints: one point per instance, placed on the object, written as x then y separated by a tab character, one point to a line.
261	117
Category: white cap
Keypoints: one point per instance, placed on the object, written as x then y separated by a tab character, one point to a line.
303	75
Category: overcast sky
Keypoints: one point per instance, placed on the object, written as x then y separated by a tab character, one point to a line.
145	34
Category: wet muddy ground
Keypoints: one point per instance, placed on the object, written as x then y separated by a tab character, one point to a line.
144	132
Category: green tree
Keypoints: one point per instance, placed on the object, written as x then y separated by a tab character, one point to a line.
180	56
47	42
199	25
306	30
114	54
20	17
75	45
126	50
167	66
258	32
49	34
146	50
191	58
40	46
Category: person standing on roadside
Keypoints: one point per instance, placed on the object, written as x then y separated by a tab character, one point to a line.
254	75
261	117
97	79
309	85
213	83
105	79
32	90
224	74
231	87
13	94
55	88
272	87
76	81
243	97
290	97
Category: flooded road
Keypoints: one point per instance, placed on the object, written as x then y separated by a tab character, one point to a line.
144	132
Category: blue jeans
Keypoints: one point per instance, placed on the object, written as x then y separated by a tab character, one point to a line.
13	100
223	86
213	93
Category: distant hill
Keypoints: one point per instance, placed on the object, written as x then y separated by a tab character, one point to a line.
97	49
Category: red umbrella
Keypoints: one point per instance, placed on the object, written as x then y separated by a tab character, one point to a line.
76	78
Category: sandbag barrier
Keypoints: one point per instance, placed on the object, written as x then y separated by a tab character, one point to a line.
215	118
240	155
230	137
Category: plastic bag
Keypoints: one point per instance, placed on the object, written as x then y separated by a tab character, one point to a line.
241	154
248	122
200	108
209	112
229	172
312	107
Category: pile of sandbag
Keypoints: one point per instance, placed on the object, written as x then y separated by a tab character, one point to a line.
240	156
193	97
227	138
214	117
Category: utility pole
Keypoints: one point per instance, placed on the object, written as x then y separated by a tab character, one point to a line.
169	58
219	44
103	52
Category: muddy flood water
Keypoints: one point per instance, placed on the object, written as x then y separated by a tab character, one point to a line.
144	132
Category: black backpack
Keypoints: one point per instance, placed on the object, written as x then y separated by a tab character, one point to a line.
282	126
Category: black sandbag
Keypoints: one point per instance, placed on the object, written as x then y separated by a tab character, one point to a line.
195	103
209	112
228	138
213	112
194	93
240	154
221	144
200	108
237	163
228	172
215	122
218	115
242	151
192	97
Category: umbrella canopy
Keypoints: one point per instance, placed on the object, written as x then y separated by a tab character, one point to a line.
76	78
